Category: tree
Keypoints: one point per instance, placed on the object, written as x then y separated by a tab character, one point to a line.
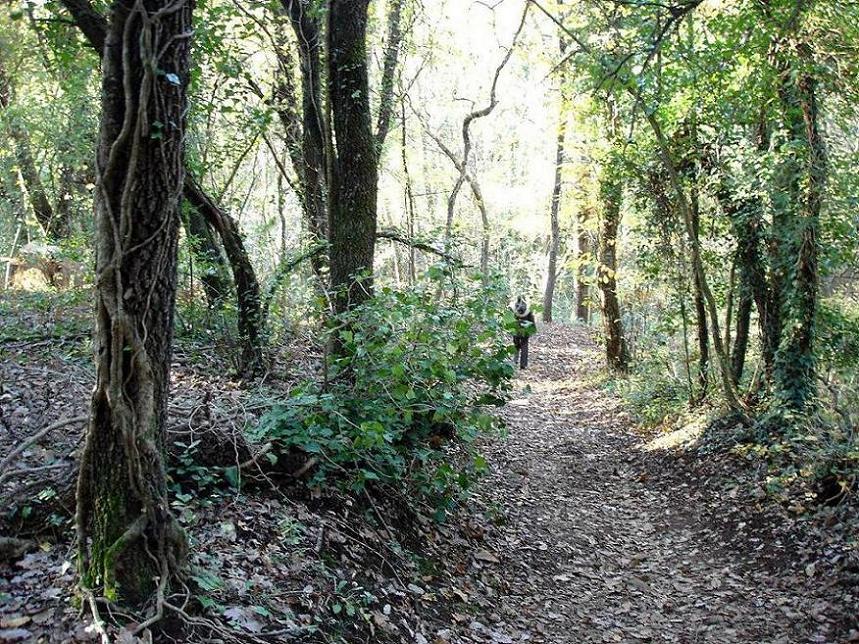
611	194
310	141
94	27
354	163
462	165
554	207
129	543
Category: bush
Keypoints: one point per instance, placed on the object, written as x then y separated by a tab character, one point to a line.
415	369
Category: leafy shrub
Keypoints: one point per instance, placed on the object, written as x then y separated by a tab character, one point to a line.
414	369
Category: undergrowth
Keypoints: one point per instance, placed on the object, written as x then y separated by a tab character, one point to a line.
408	392
808	459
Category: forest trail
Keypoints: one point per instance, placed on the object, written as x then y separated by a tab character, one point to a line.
594	549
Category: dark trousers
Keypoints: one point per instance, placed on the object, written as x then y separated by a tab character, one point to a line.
521	344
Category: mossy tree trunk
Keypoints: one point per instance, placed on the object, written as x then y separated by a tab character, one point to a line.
129	543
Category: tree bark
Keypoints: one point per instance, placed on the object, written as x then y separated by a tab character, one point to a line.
354	176
129	544
617	352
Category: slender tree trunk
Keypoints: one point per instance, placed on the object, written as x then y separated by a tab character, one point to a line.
555	234
63	210
617	352
741	338
479	201
313	167
466	143
409	196
555	239
700	308
129	544
389	68
685	211
210	261
354	176
583	313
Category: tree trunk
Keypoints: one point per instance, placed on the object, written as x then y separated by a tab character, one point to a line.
314	162
555	240
409	197
617	352
94	27
354	176
129	544
741	339
389	68
794	383
700	308
583	313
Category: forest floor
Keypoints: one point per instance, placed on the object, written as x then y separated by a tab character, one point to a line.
585	529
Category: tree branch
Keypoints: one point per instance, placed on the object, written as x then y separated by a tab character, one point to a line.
471	117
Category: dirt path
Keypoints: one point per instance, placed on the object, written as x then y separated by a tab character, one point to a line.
595	550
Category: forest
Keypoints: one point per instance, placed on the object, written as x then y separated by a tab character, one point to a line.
429	321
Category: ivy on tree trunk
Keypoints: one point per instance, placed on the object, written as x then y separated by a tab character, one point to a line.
129	543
